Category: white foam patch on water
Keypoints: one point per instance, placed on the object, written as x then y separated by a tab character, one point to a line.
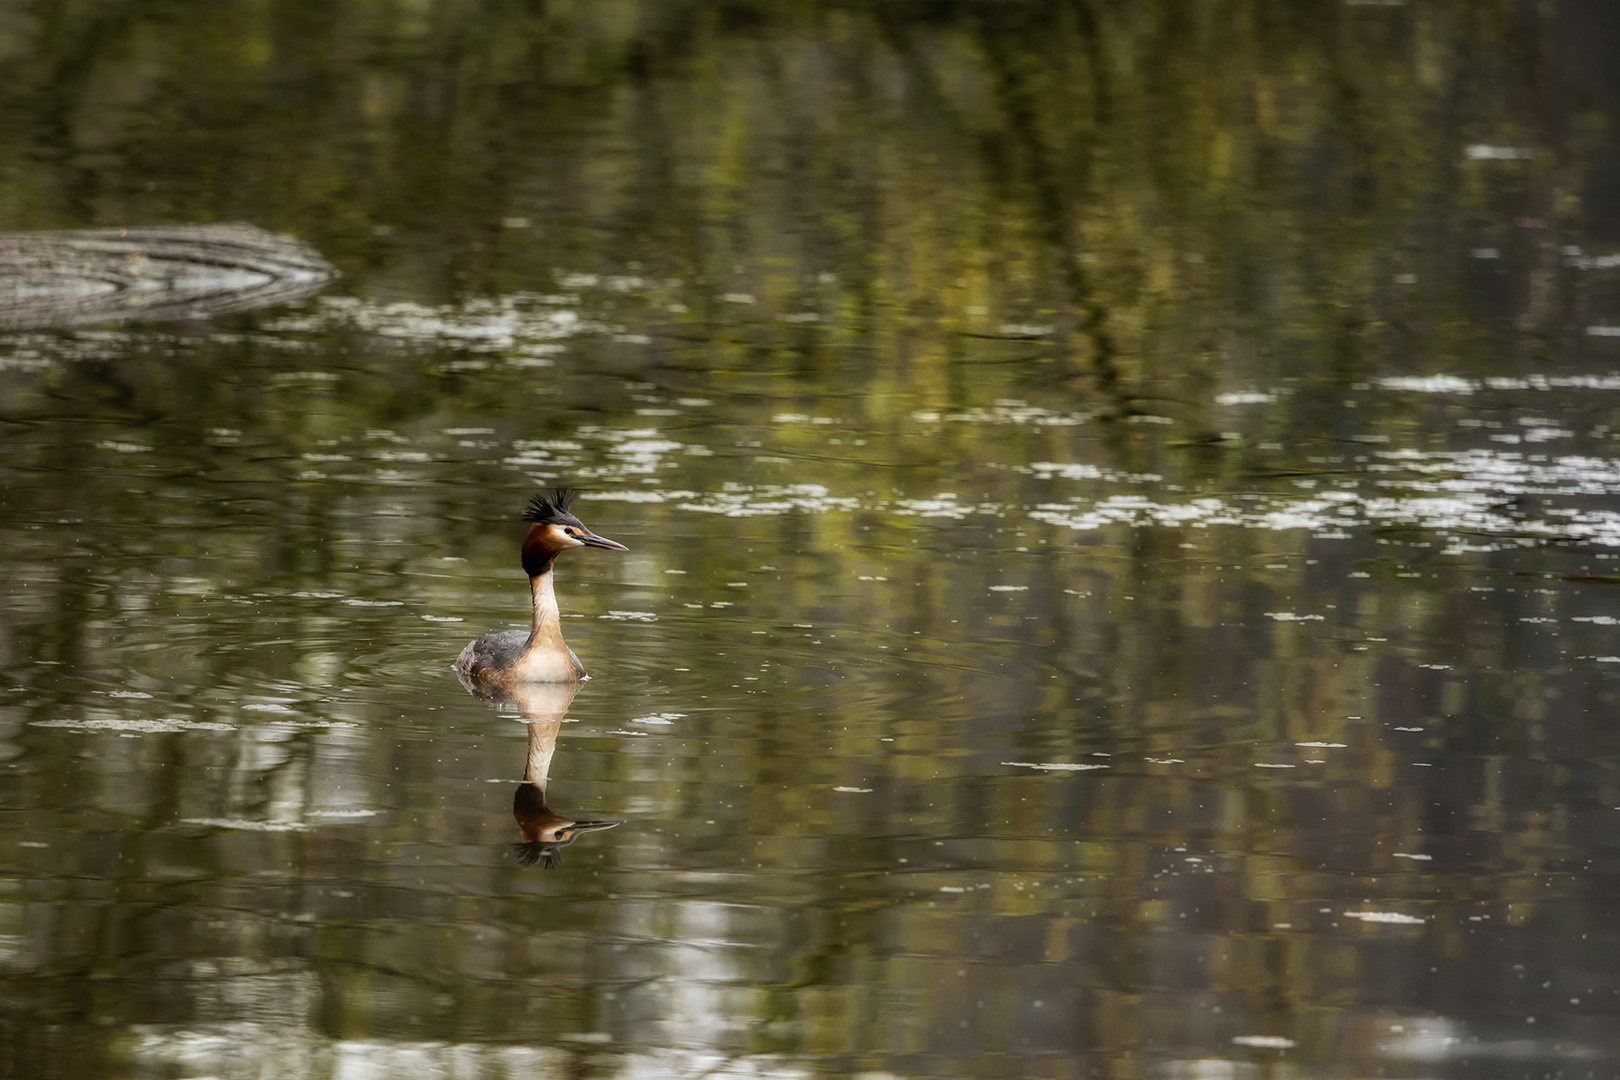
1046	470
1054	766
805	418
546	444
1289	616
166	726
1429	384
941	506
630	616
1392	917
662	719
1264	1042
1006	412
1456	384
244	825
1459	492
1462	493
643	497
1198	513
1327	515
642	455
1500	472
740	501
511	322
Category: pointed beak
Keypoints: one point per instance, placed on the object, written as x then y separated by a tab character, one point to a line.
580	827
590	539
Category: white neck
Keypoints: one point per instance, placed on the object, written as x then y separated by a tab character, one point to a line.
547	620
546	657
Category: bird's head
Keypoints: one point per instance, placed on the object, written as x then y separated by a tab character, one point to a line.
555	530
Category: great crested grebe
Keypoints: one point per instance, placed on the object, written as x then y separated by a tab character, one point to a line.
511	658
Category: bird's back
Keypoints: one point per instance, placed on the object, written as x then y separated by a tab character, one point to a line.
491	654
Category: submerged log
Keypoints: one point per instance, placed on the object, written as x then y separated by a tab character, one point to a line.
164	273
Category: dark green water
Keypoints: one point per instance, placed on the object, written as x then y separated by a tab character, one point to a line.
1124	544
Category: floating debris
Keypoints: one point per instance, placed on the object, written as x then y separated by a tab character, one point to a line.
60	279
166	726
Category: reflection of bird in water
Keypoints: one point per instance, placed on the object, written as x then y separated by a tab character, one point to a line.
510	658
545	832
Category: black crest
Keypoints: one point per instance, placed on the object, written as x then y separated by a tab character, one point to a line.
552	508
544	853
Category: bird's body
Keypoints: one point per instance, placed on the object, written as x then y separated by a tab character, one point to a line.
510	658
504	659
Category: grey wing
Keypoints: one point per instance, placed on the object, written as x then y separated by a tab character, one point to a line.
491	653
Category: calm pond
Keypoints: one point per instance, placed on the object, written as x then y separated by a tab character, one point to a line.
1121	498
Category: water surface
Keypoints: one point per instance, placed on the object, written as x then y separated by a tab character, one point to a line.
1122	521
